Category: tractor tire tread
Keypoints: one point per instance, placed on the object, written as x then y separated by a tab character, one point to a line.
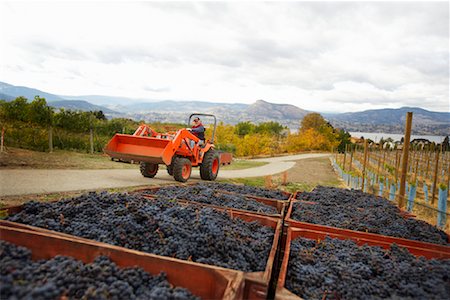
206	172
146	170
177	170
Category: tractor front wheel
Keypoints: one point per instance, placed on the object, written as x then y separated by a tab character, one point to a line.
210	166
182	169
148	170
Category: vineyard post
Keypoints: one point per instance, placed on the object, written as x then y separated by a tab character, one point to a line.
364	163
401	195
351	158
396	166
2	140
50	139
345	156
284	178
268	181
379	162
91	140
435	177
415	170
428	162
448	179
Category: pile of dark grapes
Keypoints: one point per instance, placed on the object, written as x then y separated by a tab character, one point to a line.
206	195
355	210
247	190
161	227
22	278
340	269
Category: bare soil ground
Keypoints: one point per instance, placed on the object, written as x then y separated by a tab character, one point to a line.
313	171
305	175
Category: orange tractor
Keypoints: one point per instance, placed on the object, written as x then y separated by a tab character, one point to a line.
179	151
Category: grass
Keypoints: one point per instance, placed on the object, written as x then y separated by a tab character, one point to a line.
252	181
240	164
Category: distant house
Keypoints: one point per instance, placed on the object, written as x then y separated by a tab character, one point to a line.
388	145
420	143
355	140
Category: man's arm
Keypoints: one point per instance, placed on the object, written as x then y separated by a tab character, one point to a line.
198	129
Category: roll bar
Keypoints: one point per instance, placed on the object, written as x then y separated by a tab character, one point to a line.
206	115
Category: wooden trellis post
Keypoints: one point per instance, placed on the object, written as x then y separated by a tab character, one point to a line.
401	195
364	164
345	156
435	178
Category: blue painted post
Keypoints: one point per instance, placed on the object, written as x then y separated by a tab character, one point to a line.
425	191
392	192
442	208
411	196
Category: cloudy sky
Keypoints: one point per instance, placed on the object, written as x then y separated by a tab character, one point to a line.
330	57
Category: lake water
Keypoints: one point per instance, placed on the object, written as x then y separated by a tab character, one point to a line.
376	136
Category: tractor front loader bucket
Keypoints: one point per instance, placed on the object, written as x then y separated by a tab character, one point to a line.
140	148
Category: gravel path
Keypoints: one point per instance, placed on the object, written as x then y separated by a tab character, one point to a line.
36	181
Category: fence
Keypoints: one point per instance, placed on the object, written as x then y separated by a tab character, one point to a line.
427	179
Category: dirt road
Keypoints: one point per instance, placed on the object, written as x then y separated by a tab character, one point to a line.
26	181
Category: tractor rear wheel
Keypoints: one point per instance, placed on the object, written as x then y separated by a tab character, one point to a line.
170	169
148	170
210	166
182	169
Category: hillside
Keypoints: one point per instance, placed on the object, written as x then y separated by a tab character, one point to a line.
12	91
393	121
80	105
9	92
176	111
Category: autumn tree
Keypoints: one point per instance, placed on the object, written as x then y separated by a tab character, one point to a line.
312	120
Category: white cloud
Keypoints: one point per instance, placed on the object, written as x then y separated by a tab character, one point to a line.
319	56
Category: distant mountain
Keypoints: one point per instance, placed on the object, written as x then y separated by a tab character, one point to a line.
271	111
6	97
380	120
81	105
108	101
16	91
9	92
229	113
173	106
392	120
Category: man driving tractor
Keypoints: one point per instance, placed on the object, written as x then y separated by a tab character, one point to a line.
198	130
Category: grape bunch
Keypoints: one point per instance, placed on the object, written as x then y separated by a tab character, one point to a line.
355	210
161	227
59	277
247	190
340	269
206	195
